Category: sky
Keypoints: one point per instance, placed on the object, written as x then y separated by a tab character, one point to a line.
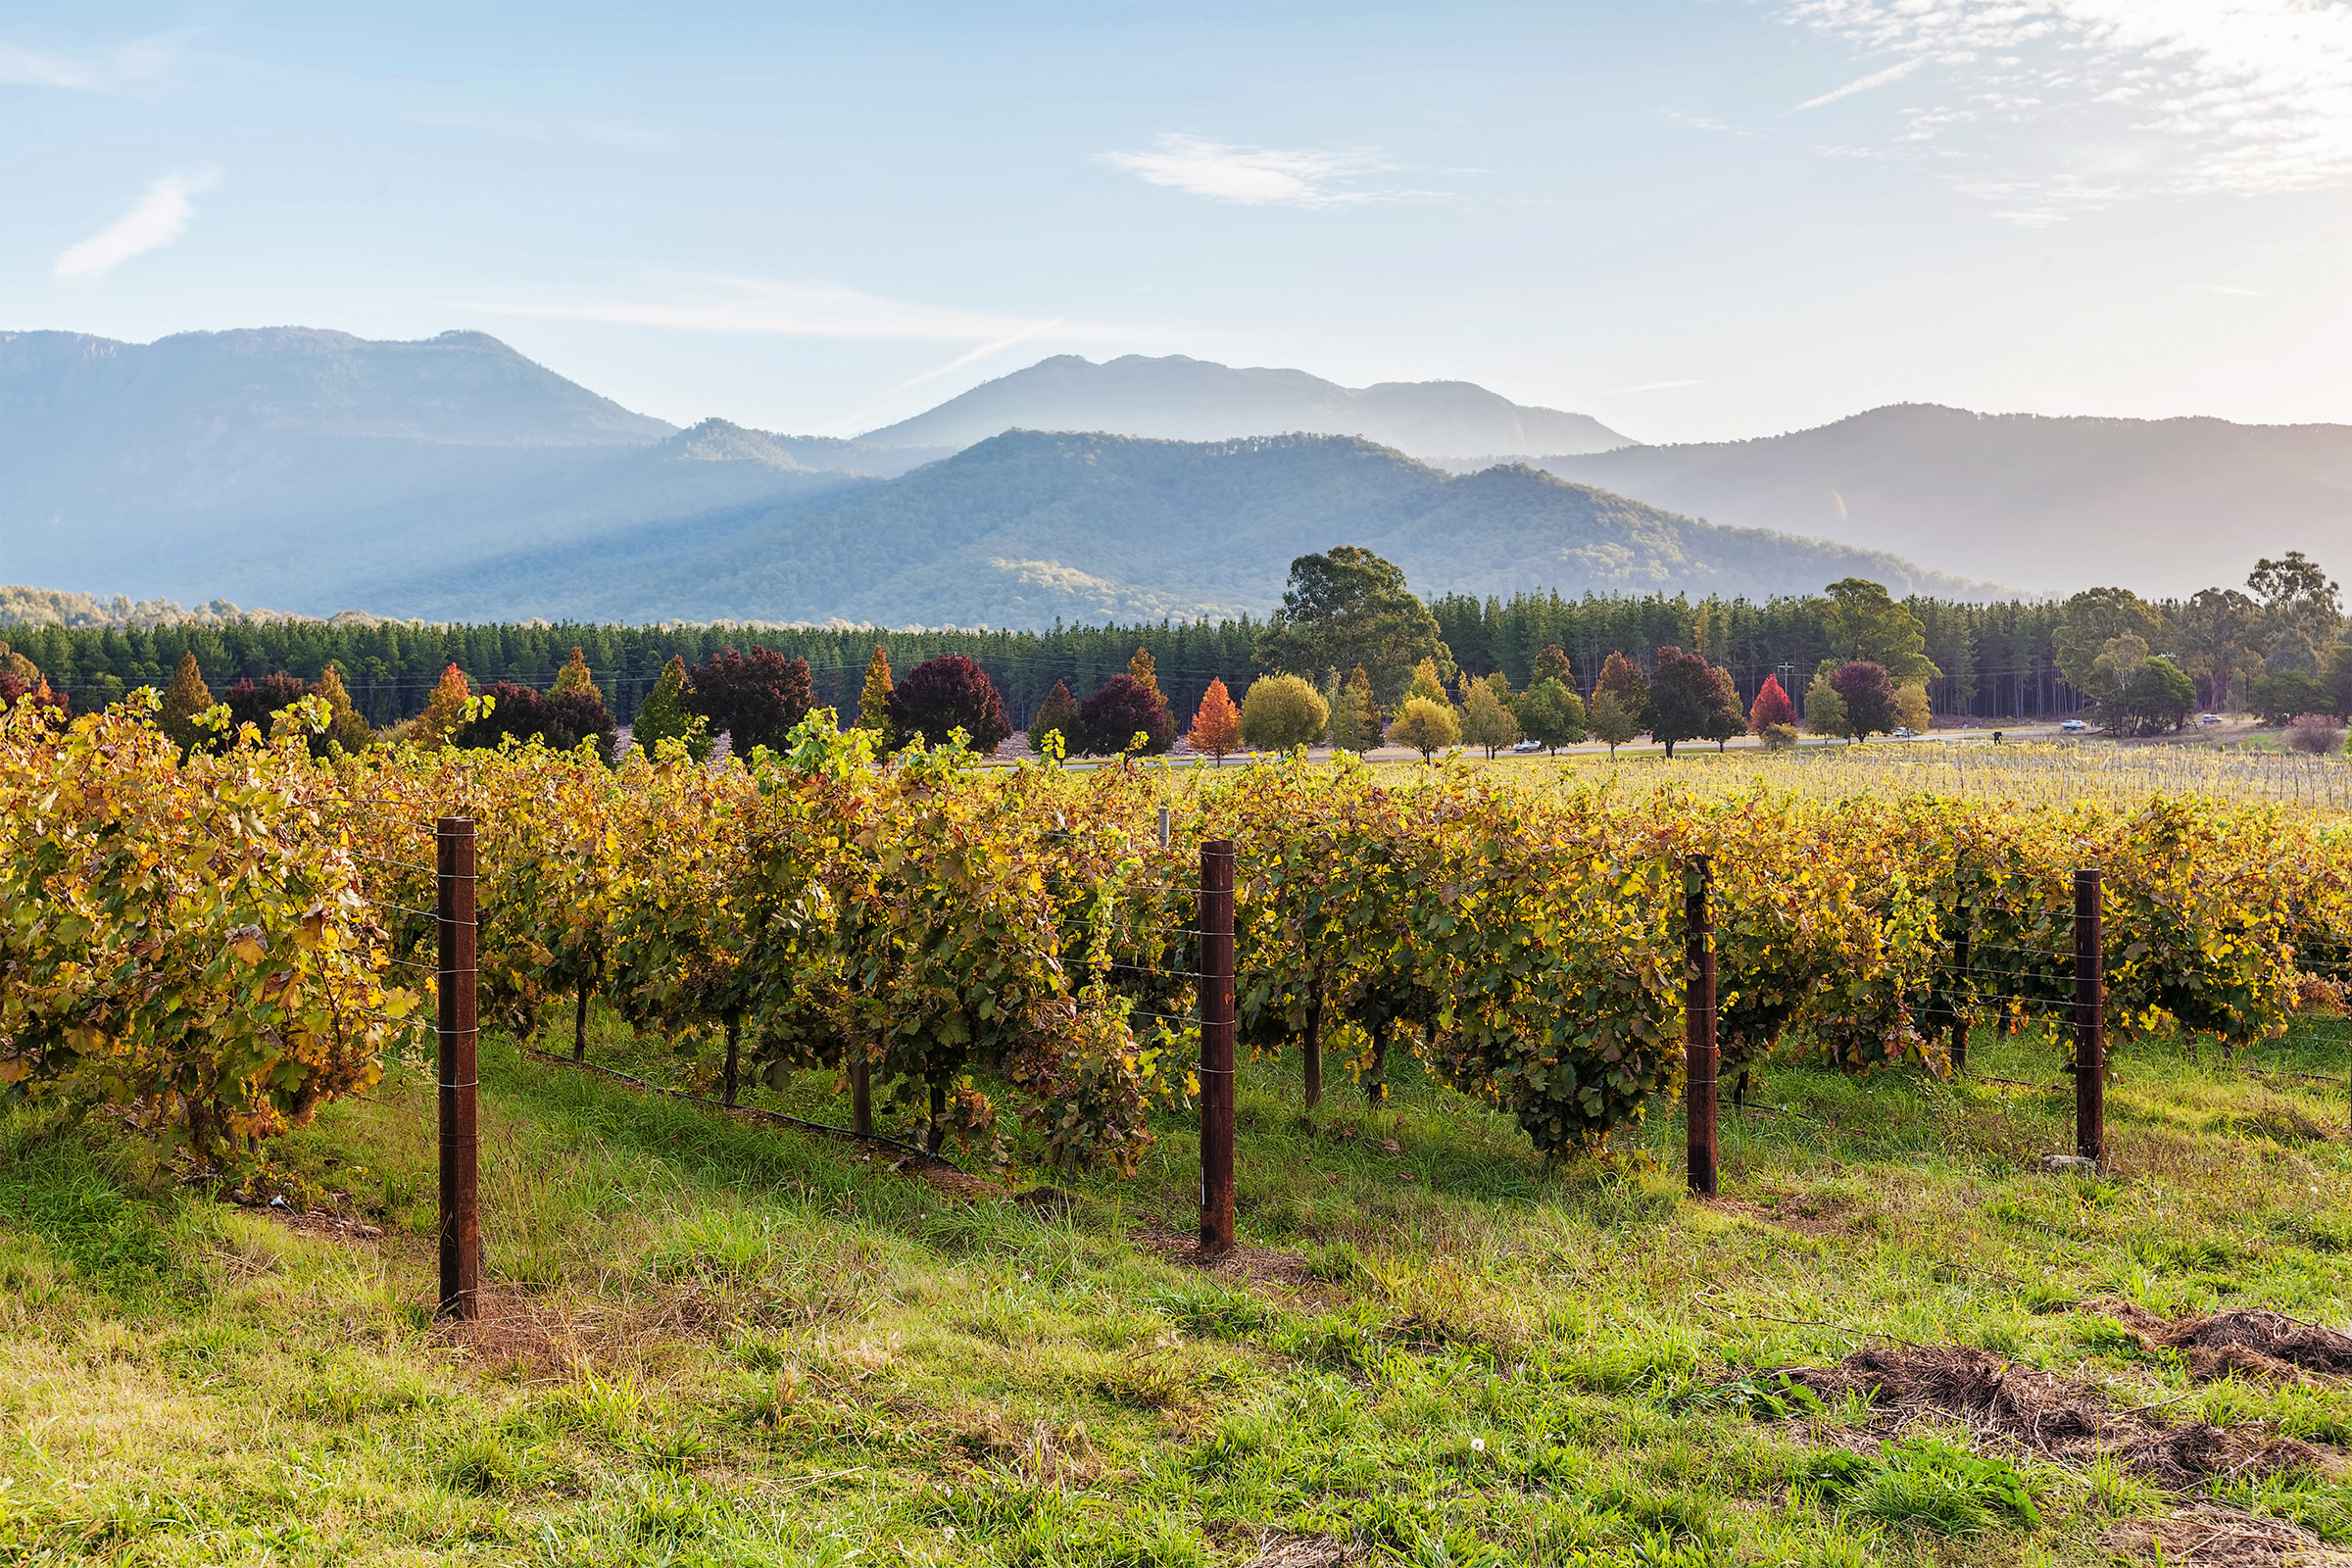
1694	220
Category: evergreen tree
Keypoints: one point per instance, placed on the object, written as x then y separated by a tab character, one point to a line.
663	717
873	701
1354	718
1348	607
187	703
1057	715
1216	730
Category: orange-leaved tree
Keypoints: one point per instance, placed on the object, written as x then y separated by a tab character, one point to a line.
1217	727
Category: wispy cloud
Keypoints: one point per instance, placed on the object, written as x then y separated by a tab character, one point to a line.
800	309
138	64
2181	96
994	346
1258	177
1877	78
1650	386
155	221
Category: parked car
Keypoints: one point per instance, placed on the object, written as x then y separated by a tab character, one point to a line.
2074	725
1905	732
2209	718
1528	746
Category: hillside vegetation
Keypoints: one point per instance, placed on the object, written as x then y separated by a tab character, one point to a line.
1028	528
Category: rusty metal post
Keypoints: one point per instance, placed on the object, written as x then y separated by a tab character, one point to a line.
455	982
1699	1037
1216	1046
2090	1053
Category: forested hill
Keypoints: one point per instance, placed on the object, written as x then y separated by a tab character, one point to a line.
1029	528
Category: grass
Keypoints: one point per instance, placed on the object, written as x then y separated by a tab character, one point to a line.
715	1343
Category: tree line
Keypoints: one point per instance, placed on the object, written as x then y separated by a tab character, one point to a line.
2274	647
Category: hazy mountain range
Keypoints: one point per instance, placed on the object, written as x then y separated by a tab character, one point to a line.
2161	505
313	471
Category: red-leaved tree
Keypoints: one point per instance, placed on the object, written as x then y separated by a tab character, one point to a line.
757	697
1868	692
1120	709
950	692
1772	707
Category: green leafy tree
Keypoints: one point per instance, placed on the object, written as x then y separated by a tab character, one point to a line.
2216	632
664	716
1280	712
185	707
1428	727
1551	714
2302	612
1355	714
1348	607
2285	694
1825	709
1057	715
2090	620
873	701
1611	721
1486	720
1864	625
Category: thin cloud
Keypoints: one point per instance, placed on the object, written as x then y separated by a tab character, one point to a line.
797	310
1256	177
135	64
999	346
2238	96
1877	78
157	220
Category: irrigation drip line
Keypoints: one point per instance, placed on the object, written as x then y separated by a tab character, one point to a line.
756	1113
1144	968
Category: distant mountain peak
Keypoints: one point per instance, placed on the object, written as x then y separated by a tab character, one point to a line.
1177	398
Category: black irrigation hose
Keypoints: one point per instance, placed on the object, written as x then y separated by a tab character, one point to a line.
740	1111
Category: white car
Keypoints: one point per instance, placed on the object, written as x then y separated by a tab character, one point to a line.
1528	746
1905	733
2209	718
2074	725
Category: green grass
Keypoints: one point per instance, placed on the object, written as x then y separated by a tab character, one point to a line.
725	1343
